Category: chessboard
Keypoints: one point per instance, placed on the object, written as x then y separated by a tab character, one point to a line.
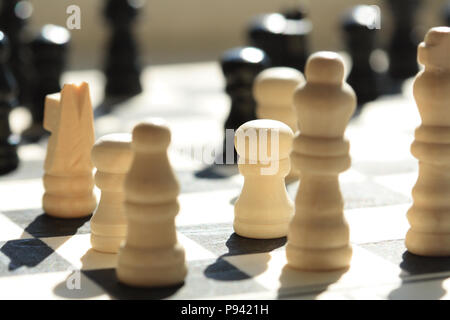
47	258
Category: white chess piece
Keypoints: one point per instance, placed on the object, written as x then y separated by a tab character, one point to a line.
151	255
273	90
68	178
318	237
112	157
429	215
263	210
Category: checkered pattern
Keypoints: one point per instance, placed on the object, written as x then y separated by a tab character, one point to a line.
39	254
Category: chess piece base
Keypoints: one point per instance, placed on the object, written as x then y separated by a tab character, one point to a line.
157	268
428	244
261	231
69	207
318	259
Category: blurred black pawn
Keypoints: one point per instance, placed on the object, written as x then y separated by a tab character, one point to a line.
360	26
403	45
122	68
265	32
49	51
8	93
447	13
294	13
14	16
283	37
240	67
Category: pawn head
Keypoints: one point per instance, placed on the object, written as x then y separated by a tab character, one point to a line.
263	140
276	85
151	136
434	50
112	153
325	67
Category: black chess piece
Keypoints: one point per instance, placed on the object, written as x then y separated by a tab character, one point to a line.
295	13
49	51
359	25
265	32
447	13
14	16
283	37
122	68
403	45
8	92
240	67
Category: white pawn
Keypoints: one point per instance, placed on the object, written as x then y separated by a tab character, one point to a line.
263	210
318	237
429	216
273	90
112	157
151	255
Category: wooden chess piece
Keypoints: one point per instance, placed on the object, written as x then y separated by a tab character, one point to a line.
123	68
151	255
283	37
273	90
112	157
447	13
14	17
402	49
240	66
318	237
9	159
49	52
359	25
263	209
68	178
429	215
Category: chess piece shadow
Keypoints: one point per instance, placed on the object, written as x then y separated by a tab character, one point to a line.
26	252
87	289
222	270
215	171
98	277
45	226
294	283
416	265
110	104
107	280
